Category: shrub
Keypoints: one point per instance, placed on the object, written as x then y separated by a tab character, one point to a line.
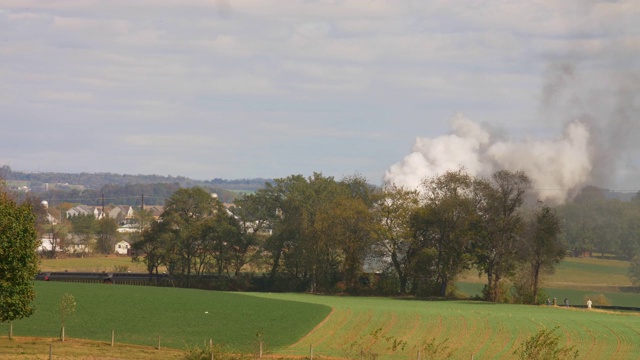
598	300
544	345
120	268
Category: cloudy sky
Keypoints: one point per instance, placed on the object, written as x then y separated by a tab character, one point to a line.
242	89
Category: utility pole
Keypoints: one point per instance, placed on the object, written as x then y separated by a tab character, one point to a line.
141	212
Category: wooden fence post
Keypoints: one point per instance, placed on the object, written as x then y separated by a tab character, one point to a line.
310	352
113	337
50	351
158	341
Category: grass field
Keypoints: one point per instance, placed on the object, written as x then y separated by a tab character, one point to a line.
181	317
574	279
288	322
91	264
292	323
484	330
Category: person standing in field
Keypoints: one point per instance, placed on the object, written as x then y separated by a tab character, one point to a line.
589	303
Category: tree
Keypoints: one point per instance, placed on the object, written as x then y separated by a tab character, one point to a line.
348	222
107	232
57	235
18	259
192	237
499	226
256	214
143	217
634	271
185	214
83	228
541	247
67	308
393	211
442	226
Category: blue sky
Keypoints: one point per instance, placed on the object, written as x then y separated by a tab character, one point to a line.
243	89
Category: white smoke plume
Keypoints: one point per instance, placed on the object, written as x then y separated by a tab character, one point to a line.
556	167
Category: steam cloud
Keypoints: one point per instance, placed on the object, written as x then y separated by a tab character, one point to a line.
556	167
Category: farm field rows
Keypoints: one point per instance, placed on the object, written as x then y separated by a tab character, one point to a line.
484	330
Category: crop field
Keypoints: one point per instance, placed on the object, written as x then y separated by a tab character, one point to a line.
334	326
347	327
181	317
484	330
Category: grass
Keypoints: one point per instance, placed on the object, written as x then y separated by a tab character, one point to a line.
574	279
291	323
375	325
22	348
91	264
484	330
181	317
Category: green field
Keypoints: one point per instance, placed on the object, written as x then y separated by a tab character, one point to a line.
574	279
484	330
344	327
182	317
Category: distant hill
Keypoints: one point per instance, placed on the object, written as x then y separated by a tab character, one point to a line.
121	189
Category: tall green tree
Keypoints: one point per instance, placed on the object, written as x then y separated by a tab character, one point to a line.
106	230
392	212
83	227
348	221
541	248
442	226
185	214
18	259
499	226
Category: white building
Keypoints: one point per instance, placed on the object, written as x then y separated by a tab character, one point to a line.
122	248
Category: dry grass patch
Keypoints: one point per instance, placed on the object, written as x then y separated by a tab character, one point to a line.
38	348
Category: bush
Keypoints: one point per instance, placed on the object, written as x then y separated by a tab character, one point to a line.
544	345
120	268
598	300
387	283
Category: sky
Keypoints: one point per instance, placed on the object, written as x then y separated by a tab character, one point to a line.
245	89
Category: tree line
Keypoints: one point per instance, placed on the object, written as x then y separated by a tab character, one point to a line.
98	180
595	225
320	234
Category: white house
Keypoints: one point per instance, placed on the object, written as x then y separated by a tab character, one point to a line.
121	212
122	248
47	242
86	210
